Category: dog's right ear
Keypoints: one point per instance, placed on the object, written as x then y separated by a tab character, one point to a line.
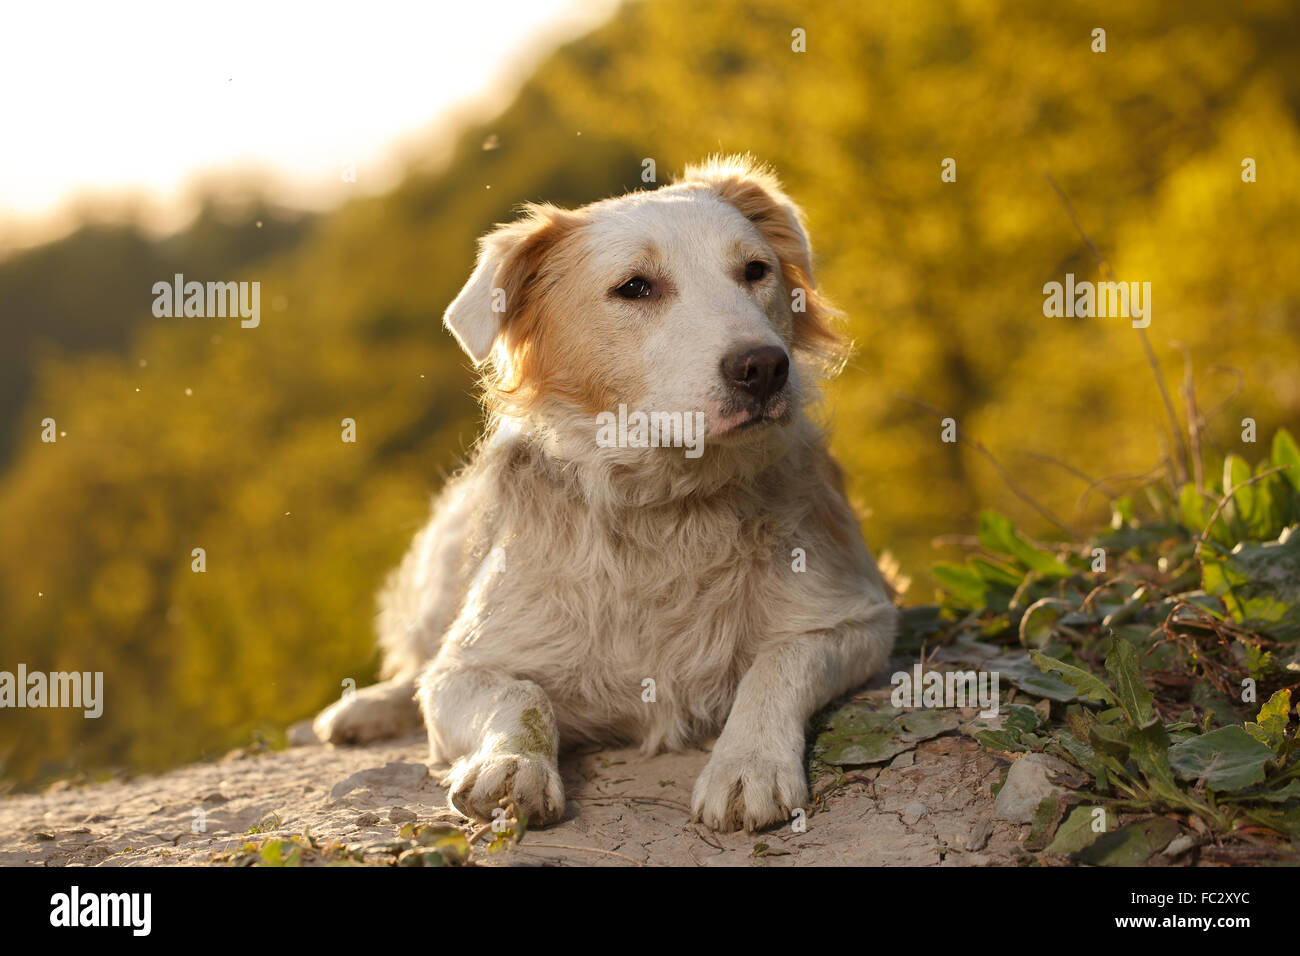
470	317
509	261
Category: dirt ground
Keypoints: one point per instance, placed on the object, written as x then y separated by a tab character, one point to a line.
931	806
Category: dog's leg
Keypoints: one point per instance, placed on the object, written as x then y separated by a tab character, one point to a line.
756	775
386	709
499	735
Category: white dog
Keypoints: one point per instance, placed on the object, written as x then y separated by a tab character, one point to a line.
580	582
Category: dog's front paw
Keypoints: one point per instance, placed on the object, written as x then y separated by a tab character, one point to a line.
742	788
372	713
478	784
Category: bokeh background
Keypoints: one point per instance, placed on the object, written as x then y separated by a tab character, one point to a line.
185	433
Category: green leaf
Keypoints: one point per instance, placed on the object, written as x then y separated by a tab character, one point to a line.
1284	794
1191	505
1047	817
1121	512
1096	737
1083	755
1076	832
1131	845
1149	749
1259	584
1220	708
1239	511
856	734
997	534
992	573
1020	670
1284	820
1020	718
1287	455
1003	741
1122	664
1226	759
1273	496
1109	741
1088	686
964	584
1270	726
924	724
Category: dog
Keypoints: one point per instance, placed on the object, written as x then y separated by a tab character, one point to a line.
571	590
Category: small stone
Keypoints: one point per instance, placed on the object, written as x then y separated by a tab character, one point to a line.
302	734
913	812
401	815
367	819
979	835
1027	785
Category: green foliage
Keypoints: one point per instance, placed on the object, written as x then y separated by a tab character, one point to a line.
858	733
1192	597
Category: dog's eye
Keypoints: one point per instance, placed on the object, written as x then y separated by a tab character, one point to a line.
634	288
755	270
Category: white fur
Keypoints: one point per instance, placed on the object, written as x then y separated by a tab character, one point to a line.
555	576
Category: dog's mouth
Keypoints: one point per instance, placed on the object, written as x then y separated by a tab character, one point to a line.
753	417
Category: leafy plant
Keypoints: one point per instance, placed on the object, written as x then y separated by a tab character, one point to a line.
1165	630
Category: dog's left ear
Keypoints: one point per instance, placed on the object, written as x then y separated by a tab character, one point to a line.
757	195
509	261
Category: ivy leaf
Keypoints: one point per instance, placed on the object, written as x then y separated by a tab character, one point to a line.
1270	726
1225	759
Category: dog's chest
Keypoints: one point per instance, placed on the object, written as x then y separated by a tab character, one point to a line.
643	627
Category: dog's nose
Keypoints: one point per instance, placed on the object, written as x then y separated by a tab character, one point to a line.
759	371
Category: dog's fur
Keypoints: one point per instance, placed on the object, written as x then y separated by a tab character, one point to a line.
556	576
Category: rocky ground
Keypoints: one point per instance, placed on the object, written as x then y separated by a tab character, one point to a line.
930	806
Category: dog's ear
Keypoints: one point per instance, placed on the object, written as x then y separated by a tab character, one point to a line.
756	194
470	317
509	261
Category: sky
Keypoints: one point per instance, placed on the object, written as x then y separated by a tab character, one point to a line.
101	101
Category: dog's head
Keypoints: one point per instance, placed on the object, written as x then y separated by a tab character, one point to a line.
694	298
